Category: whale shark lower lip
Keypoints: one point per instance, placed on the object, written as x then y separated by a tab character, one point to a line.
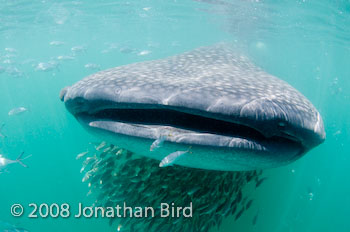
234	115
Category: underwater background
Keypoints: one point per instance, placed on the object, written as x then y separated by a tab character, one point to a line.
47	45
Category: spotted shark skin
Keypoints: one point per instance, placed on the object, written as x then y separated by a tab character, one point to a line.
215	82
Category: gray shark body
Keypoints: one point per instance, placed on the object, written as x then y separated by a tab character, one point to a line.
230	114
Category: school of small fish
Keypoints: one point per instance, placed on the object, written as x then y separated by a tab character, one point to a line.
115	175
12	66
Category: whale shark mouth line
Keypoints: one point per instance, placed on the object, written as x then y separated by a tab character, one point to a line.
157	116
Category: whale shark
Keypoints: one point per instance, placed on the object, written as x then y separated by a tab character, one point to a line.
231	114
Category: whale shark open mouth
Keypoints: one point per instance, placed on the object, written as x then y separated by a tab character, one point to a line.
179	120
190	128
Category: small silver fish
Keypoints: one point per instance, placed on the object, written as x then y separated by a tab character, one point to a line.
107	149
17	111
10	50
78	49
239	214
46	66
259	182
81	155
62	57
158	142
193	190
89	174
88	161
255	219
171	159
102	144
126	50
144	52
56	43
249	204
92	66
1	134
239	196
15	229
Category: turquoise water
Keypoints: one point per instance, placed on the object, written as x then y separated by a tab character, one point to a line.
47	45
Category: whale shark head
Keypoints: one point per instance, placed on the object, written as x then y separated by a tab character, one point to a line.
214	101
